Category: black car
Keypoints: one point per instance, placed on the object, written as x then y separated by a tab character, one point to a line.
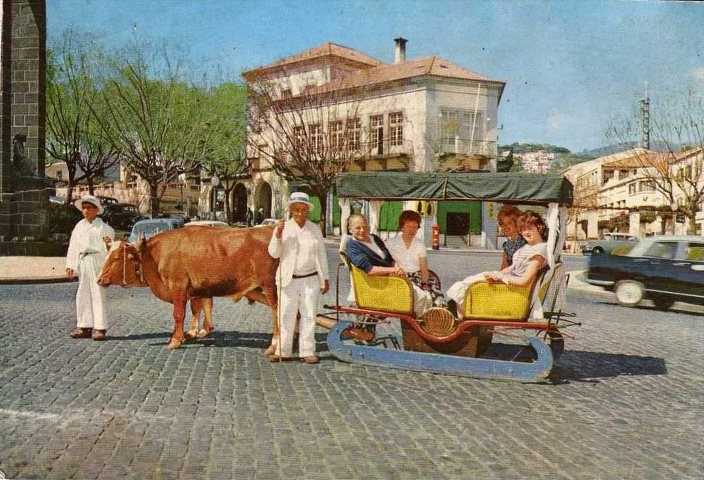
664	269
121	216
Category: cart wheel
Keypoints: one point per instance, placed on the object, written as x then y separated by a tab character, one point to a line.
663	303
557	343
629	293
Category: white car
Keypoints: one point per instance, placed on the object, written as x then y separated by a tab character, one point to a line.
207	223
268	221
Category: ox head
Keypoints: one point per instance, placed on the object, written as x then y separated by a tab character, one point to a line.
123	266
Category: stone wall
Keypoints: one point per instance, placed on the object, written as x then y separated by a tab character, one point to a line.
23	190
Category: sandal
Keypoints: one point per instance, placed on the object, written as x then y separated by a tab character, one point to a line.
81	332
98	335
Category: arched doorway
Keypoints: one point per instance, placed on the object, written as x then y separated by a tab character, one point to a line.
239	203
262	201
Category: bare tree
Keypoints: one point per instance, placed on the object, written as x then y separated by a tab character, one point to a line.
73	94
226	155
677	128
310	137
154	119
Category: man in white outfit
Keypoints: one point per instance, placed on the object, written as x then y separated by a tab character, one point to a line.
90	241
301	277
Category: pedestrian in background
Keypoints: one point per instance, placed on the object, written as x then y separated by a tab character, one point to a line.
90	241
302	276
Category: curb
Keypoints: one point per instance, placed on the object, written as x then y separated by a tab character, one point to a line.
36	280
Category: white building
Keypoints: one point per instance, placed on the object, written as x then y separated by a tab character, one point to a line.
419	115
616	193
537	162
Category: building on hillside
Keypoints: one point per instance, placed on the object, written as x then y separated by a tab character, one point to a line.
424	114
615	193
536	162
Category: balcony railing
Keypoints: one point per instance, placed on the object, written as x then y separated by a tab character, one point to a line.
461	146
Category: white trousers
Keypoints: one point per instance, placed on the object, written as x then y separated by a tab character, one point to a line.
301	295
90	298
458	290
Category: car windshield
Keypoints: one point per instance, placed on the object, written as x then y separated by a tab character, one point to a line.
659	249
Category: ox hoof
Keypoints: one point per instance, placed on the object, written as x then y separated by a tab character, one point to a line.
174	344
202	333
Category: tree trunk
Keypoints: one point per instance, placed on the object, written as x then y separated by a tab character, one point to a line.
91	187
154	199
323	198
228	211
69	191
692	227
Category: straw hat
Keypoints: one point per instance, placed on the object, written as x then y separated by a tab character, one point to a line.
299	197
89	199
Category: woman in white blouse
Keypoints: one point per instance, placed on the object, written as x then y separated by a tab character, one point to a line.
408	252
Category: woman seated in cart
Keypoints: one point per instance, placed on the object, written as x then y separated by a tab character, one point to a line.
527	261
368	252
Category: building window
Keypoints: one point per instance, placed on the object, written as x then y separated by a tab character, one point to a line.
286	93
354	134
299	135
59	175
622	174
457	125
376	133
608	175
336	135
396	128
646	186
316	138
632	188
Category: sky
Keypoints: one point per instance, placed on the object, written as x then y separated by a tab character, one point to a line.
569	66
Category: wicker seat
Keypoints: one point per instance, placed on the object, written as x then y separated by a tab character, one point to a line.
388	294
498	301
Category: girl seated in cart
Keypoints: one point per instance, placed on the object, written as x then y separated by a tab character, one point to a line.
527	261
410	254
368	252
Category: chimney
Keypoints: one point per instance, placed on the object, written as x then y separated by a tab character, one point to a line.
400	55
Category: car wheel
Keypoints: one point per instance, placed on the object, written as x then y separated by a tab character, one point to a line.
629	293
597	251
663	303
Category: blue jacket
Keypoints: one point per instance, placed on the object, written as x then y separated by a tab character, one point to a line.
363	257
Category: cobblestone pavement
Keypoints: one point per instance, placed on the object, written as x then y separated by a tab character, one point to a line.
626	402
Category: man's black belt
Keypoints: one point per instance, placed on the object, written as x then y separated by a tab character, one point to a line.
306	275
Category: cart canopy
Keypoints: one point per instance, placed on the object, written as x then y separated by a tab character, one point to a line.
525	188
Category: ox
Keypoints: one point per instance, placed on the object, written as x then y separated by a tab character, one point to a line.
195	264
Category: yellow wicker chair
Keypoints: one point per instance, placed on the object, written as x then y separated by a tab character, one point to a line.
389	294
499	301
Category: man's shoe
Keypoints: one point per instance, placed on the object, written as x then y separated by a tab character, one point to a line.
81	332
278	358
310	360
98	335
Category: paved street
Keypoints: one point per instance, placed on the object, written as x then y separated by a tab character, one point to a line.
626	402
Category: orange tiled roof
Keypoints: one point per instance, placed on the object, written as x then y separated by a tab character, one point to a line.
326	49
434	66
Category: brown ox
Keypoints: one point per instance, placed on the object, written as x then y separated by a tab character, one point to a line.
196	264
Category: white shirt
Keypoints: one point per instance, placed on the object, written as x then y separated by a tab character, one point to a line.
408	258
373	247
307	251
87	239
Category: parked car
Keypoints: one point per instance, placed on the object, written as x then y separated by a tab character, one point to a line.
267	221
206	223
152	226
608	243
663	269
121	216
107	200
